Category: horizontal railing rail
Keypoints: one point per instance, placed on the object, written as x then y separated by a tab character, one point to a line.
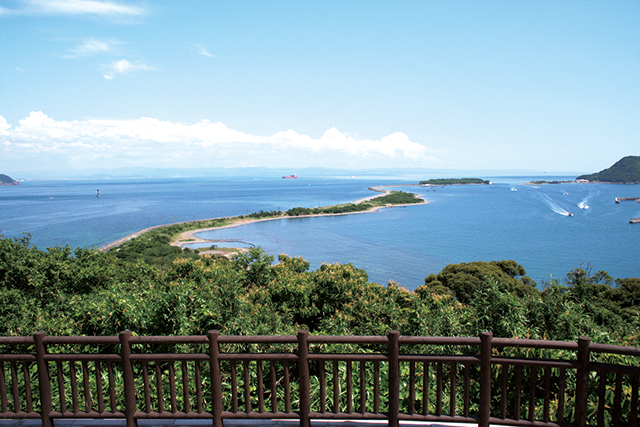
395	378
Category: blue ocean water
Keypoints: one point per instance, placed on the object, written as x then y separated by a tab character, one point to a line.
505	220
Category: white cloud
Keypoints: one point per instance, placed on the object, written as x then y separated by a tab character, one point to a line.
91	47
124	67
395	144
79	7
153	142
203	51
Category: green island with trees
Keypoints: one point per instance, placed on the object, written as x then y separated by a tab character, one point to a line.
624	171
454	181
393	198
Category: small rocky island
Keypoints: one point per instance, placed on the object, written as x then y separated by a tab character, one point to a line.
7	180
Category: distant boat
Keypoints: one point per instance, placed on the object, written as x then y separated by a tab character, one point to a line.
290	177
581	205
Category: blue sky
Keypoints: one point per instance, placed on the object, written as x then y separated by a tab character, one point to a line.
469	85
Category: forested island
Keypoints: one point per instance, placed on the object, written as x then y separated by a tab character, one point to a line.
7	180
624	171
454	181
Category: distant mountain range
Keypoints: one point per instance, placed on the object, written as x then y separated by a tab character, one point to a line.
624	171
7	180
263	172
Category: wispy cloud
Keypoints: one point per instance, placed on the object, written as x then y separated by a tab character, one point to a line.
124	67
90	47
203	51
77	7
152	142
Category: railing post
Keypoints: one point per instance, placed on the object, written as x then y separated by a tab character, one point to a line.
394	378
485	379
127	375
216	379
582	378
46	407
303	371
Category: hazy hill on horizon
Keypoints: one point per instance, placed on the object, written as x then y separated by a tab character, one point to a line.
7	180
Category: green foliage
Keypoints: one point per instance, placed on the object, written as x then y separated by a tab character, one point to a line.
493	309
87	292
152	288
257	267
263	214
611	308
396	198
453	181
152	248
462	280
337	209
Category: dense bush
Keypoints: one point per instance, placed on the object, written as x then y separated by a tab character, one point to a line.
62	291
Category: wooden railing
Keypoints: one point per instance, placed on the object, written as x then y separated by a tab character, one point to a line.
475	380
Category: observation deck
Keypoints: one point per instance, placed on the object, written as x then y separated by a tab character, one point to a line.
315	380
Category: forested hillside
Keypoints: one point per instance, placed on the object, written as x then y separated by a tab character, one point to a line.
625	171
152	288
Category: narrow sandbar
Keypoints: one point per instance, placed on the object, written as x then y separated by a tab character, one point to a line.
189	236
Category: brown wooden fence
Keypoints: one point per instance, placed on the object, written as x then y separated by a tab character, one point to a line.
477	380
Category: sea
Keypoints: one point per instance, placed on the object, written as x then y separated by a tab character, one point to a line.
529	224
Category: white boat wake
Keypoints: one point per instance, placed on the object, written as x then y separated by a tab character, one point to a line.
583	204
555	207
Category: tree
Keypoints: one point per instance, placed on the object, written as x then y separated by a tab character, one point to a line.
462	280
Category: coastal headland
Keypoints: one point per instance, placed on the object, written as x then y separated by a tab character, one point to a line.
7	180
385	199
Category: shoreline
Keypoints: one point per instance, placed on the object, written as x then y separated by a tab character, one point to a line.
189	237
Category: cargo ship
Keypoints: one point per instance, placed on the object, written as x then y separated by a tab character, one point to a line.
290	177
